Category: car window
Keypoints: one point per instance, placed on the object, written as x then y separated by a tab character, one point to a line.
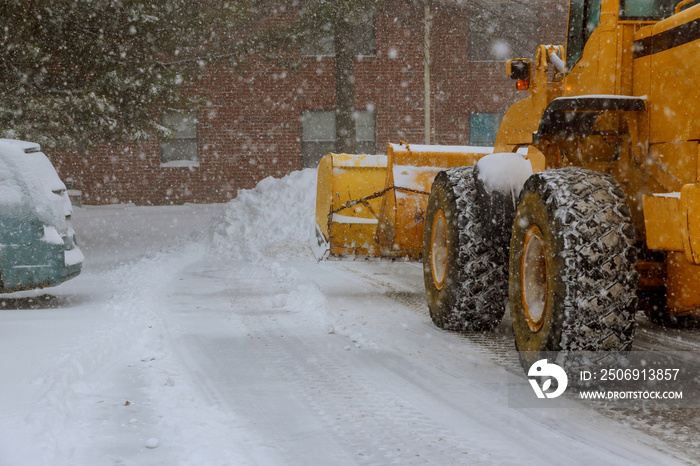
10	190
37	175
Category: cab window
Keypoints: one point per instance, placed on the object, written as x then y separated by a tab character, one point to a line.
584	17
647	10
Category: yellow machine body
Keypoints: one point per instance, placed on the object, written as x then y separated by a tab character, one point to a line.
651	150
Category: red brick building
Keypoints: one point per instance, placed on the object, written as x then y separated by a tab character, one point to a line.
271	121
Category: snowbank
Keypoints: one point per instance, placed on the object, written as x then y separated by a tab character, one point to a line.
271	220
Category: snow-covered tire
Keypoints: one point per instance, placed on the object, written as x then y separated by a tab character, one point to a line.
465	274
572	273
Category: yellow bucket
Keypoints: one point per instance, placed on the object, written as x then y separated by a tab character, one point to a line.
374	204
342	179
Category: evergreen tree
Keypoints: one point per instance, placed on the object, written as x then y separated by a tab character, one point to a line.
76	72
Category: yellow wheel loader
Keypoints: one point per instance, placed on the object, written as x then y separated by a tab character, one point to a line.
589	207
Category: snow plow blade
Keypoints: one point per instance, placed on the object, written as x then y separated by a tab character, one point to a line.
346	212
374	205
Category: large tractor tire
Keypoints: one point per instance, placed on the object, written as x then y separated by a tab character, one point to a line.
572	265
465	275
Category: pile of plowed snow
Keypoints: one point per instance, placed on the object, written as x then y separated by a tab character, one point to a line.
274	219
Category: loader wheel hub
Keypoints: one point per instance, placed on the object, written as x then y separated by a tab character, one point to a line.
438	249
534	278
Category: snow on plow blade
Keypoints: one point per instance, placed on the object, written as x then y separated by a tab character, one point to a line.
375	205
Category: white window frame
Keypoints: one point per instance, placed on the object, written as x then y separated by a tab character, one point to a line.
185	133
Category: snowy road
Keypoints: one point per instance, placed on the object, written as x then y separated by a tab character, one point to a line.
229	347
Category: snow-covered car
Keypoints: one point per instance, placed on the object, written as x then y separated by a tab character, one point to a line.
37	242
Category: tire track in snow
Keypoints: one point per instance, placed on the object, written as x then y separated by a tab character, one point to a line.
422	363
498	345
271	366
74	398
650	337
244	378
290	352
375	425
675	428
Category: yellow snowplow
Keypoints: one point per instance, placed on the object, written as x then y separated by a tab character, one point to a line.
374	205
587	211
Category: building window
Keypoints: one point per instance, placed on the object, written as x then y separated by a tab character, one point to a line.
483	128
181	149
502	30
318	134
366	132
365	36
321	43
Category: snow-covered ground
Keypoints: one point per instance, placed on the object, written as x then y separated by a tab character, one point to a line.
209	335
